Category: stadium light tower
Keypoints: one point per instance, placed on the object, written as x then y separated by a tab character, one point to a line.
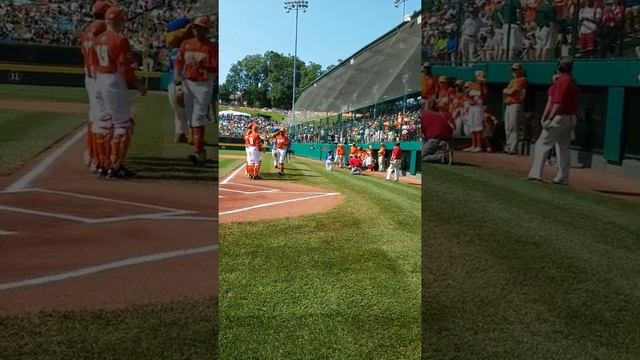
397	4
296	6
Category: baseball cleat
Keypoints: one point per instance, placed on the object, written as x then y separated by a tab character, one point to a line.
257	177
124	173
198	158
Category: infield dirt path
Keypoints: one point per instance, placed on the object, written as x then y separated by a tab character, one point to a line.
242	199
71	241
585	179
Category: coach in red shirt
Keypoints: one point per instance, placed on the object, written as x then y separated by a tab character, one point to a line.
437	131
558	124
356	165
394	163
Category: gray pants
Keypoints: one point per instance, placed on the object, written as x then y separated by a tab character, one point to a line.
434	150
468	46
394	168
556	132
512	116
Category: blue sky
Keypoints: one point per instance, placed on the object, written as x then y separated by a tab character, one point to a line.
328	31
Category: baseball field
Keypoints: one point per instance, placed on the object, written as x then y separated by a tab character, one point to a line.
328	269
123	268
514	269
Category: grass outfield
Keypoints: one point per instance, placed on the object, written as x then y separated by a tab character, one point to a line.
341	284
180	330
527	270
43	93
25	134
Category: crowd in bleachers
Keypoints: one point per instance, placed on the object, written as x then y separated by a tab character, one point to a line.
462	31
59	22
235	126
364	128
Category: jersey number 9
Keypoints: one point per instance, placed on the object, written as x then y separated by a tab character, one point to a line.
103	55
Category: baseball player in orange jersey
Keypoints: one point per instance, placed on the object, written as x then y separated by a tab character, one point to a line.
246	135
197	60
87	37
112	64
254	146
282	144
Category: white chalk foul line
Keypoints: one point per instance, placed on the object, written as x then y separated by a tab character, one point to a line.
41	167
276	203
106	267
6	233
44	213
105	199
234	173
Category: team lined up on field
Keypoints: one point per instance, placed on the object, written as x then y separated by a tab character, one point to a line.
109	72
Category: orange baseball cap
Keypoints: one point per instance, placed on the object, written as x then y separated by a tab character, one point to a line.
114	14
202	21
100	8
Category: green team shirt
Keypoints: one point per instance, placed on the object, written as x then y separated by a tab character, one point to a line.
545	14
509	11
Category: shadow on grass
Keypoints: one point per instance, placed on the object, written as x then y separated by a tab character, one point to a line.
178	169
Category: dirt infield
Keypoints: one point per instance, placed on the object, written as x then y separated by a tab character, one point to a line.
585	179
51	106
71	241
241	199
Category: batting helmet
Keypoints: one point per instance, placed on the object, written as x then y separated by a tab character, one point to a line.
114	14
99	9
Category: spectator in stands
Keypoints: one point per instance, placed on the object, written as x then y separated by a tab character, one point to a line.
545	30
589	17
514	95
469	41
510	14
612	28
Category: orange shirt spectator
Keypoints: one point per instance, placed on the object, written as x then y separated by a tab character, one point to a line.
516	91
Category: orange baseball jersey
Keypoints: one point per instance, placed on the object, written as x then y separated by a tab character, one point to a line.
112	53
282	141
340	151
253	139
194	53
353	150
246	137
382	151
516	91
87	37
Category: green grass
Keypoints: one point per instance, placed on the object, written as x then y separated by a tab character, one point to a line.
25	134
257	112
336	285
526	270
225	166
43	93
153	154
181	330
